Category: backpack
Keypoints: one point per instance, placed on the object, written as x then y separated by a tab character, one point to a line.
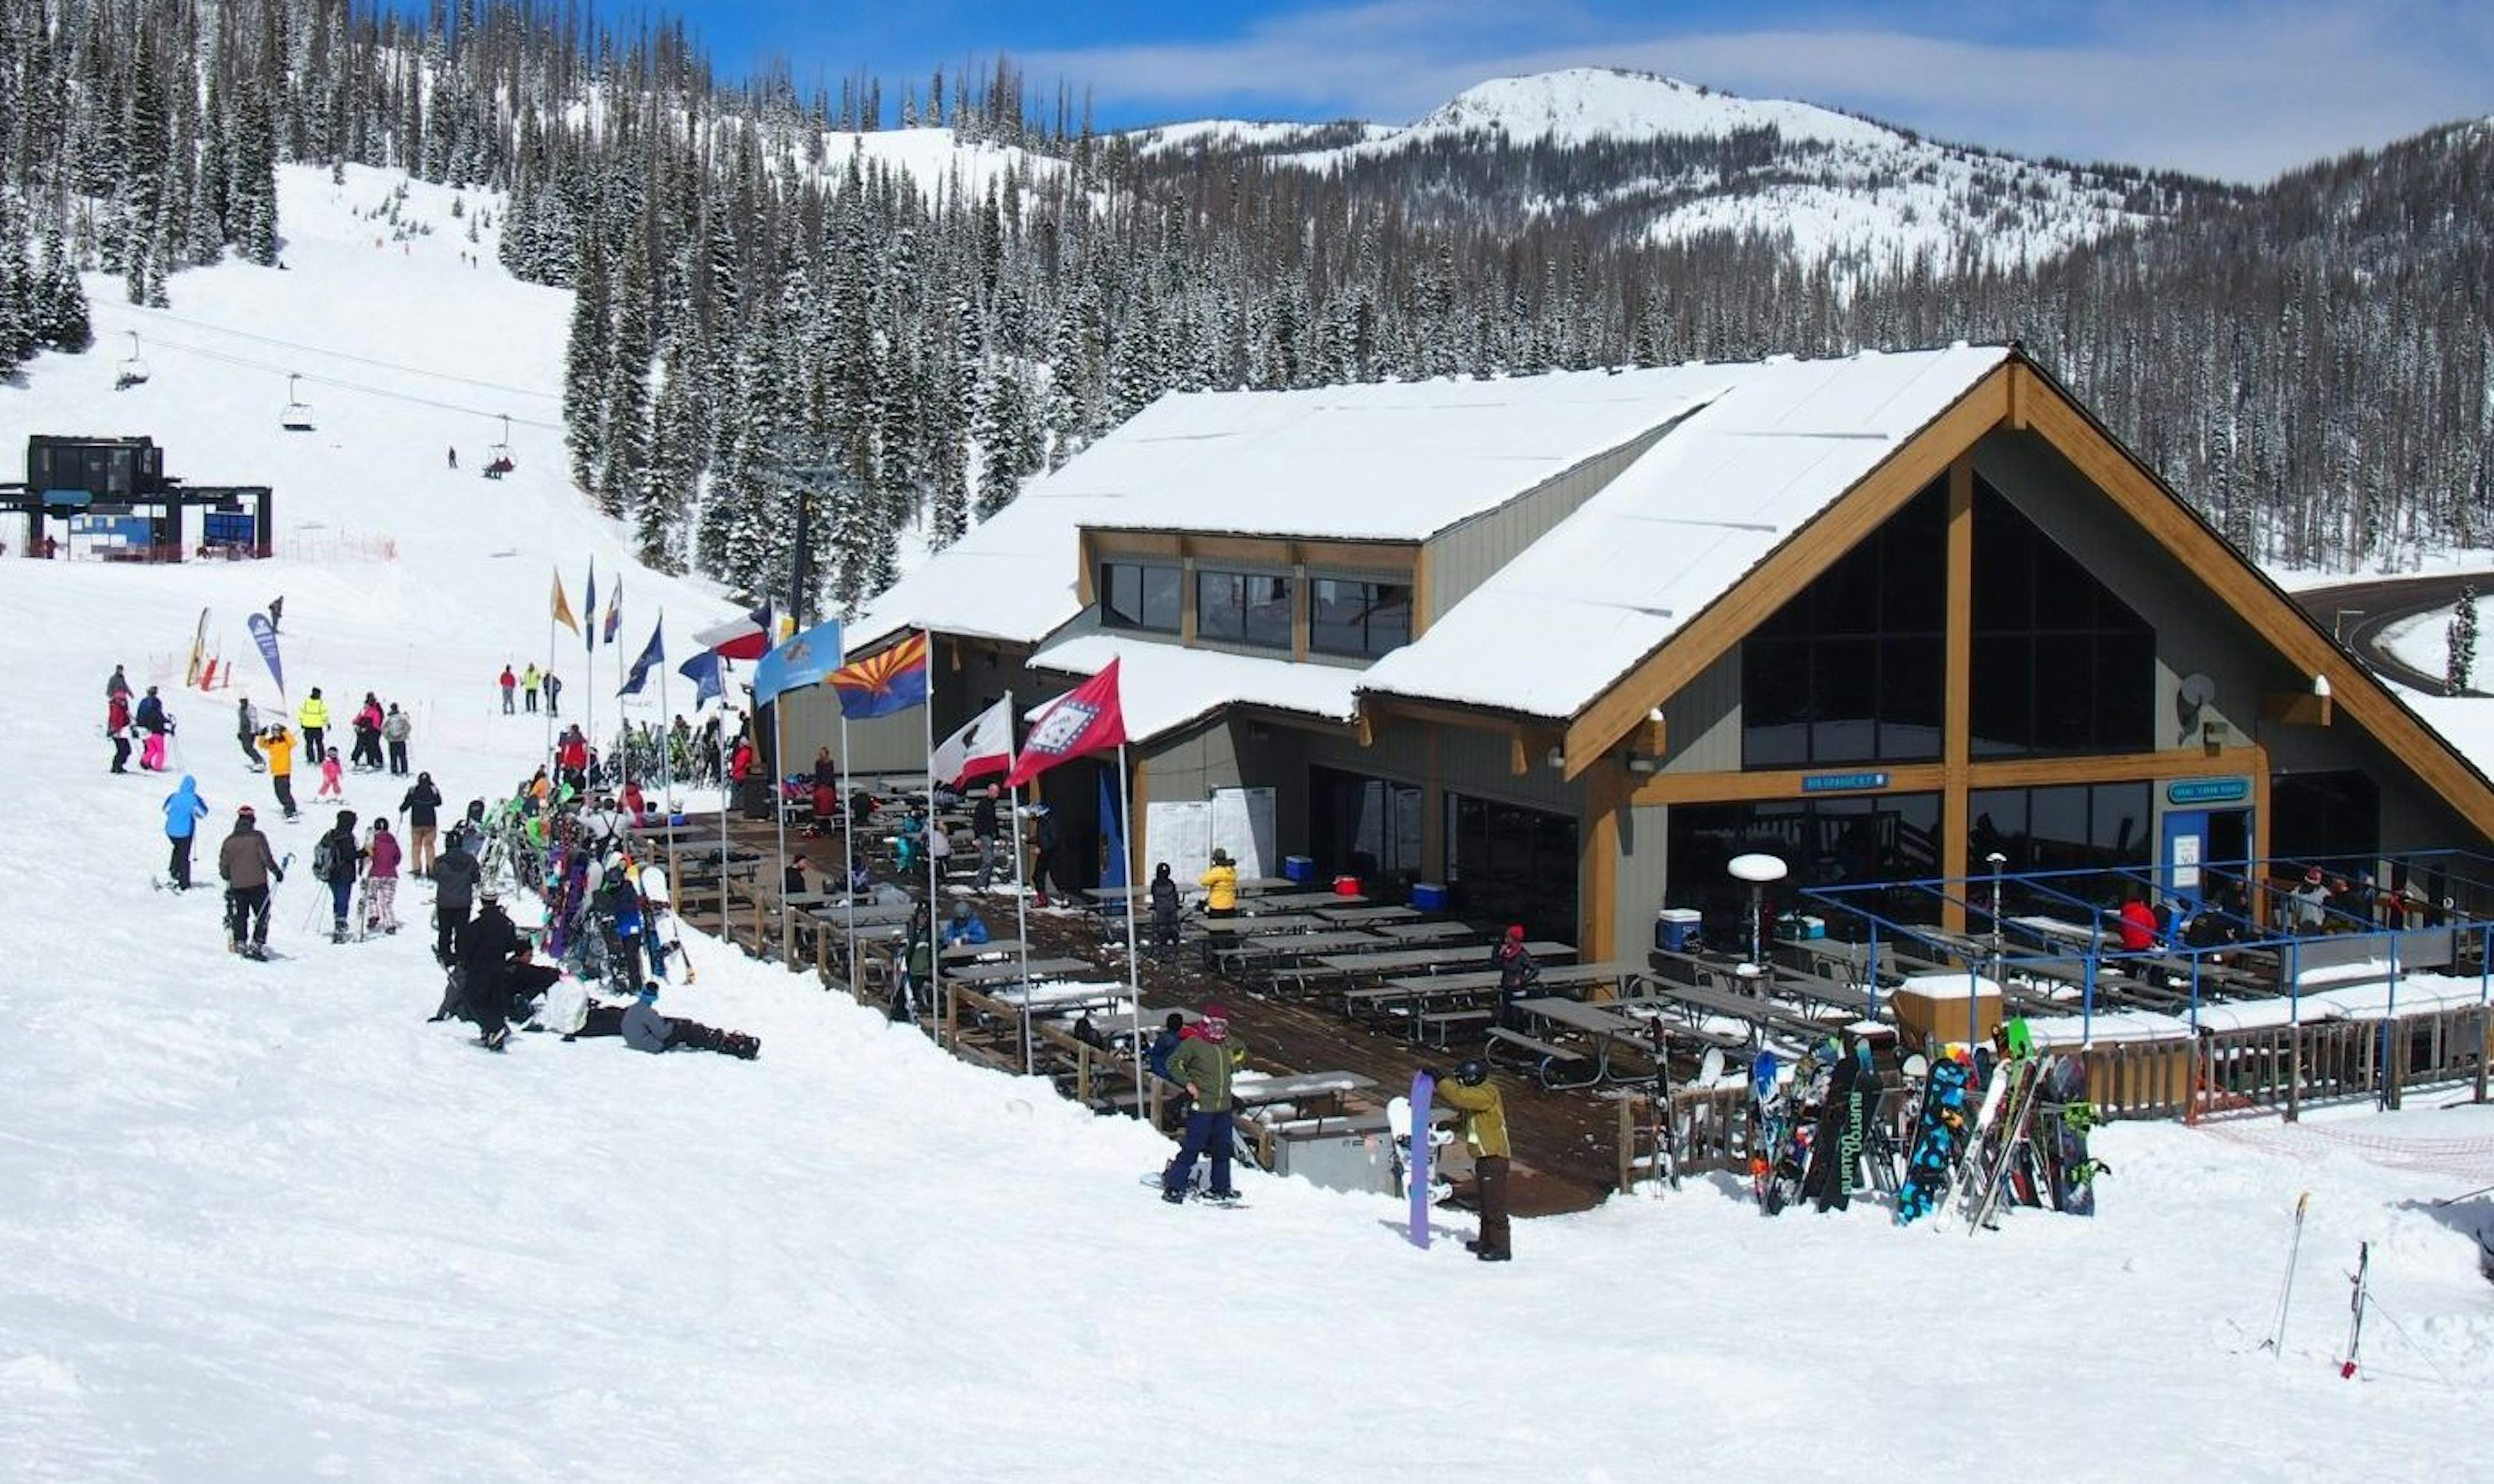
325	858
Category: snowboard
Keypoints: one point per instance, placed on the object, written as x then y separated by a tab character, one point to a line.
1195	1192
1939	1129
2066	1116
1417	1181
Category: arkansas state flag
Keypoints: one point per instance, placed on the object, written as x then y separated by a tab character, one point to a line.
984	746
1089	718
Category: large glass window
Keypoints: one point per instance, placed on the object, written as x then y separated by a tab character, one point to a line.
2098	828
2317	815
2060	664
1358	618
1243	608
1510	865
1823	842
1850	670
1364	827
1140	595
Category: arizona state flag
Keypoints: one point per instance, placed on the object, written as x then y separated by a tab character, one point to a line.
1089	718
893	680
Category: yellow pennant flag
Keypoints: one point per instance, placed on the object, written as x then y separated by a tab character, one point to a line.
563	606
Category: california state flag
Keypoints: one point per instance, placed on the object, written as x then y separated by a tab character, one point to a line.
983	748
1089	718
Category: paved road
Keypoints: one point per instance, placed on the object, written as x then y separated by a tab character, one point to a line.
2361	612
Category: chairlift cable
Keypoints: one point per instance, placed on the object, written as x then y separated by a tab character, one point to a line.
342	355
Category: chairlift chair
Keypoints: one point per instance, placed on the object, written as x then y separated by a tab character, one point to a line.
497	458
297	416
132	372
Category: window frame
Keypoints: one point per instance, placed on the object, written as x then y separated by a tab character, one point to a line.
1143	571
1245	635
1367	646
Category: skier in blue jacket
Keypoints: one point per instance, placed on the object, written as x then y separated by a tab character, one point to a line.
184	808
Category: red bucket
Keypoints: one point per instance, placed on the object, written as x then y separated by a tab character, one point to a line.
1346	886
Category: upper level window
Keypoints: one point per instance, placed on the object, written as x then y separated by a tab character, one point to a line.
1140	595
1243	608
1850	669
2061	664
1358	618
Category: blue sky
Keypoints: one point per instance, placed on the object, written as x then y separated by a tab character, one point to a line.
2238	88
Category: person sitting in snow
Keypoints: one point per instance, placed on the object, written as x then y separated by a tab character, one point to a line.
643	1029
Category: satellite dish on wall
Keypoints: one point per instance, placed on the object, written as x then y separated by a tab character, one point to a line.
2193	697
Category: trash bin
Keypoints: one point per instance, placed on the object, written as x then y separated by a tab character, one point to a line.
1674	928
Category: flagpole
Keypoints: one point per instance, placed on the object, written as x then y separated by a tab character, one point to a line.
934	864
849	855
1021	897
719	749
549	720
666	732
1134	954
779	814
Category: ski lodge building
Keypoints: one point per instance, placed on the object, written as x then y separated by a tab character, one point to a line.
1565	644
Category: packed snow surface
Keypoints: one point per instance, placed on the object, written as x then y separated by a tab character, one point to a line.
262	1221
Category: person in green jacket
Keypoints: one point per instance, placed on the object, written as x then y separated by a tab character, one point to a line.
1472	1094
1206	1057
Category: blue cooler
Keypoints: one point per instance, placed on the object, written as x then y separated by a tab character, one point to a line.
1674	928
1300	868
1429	896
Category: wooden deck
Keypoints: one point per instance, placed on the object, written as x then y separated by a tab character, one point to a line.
1566	1143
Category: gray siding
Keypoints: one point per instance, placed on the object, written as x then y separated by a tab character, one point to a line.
1462	556
1643	860
1701	724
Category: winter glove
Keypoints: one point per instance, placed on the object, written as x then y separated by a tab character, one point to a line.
1433	1074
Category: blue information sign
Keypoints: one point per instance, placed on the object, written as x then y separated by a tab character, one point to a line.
1842	783
2208	790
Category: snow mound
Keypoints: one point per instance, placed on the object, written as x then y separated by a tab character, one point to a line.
1580	105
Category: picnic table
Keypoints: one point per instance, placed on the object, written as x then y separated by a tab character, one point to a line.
1552	1063
994	947
1419	992
1367	916
861	916
1395	961
1758	1012
1297	1087
1256	927
1012	972
1428	932
1293	902
1302	945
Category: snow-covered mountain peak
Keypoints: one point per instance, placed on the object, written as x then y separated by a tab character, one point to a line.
1579	104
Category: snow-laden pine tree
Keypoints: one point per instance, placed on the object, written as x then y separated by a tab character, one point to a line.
2459	673
587	367
623	464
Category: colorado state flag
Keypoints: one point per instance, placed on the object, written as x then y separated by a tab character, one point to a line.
893	679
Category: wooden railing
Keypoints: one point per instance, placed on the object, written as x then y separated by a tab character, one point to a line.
1711	1125
2278	1069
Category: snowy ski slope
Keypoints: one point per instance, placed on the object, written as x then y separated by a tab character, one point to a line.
262	1221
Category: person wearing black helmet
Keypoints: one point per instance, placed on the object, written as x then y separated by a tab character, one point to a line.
1471	1093
338	861
486	947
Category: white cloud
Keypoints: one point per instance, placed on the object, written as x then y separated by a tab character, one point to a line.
2237	88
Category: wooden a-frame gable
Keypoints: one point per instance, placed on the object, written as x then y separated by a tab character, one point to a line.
2021	396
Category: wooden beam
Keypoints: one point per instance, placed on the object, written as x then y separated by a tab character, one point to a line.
2296	707
1788	569
1930	777
1598	851
1956	682
1517	764
2296	635
1424	607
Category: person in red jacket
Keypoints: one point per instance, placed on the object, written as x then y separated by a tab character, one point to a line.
116	725
508	682
572	757
2137	926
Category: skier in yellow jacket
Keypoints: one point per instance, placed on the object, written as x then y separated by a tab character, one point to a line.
1471	1094
313	717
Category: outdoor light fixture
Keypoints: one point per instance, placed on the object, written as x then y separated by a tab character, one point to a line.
1558	757
1641	761
2212	735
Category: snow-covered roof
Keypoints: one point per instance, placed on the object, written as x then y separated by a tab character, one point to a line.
1163	685
1554	628
1399	460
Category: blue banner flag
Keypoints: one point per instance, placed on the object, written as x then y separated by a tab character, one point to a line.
651	655
703	671
265	634
803	660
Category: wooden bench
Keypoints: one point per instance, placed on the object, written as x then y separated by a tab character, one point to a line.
1545	1056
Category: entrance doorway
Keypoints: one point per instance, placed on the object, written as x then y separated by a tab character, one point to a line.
2204	853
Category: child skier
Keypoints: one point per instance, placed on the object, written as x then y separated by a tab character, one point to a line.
330	788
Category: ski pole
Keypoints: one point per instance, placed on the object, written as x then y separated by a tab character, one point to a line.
2276	1341
2453	1200
2355	1309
